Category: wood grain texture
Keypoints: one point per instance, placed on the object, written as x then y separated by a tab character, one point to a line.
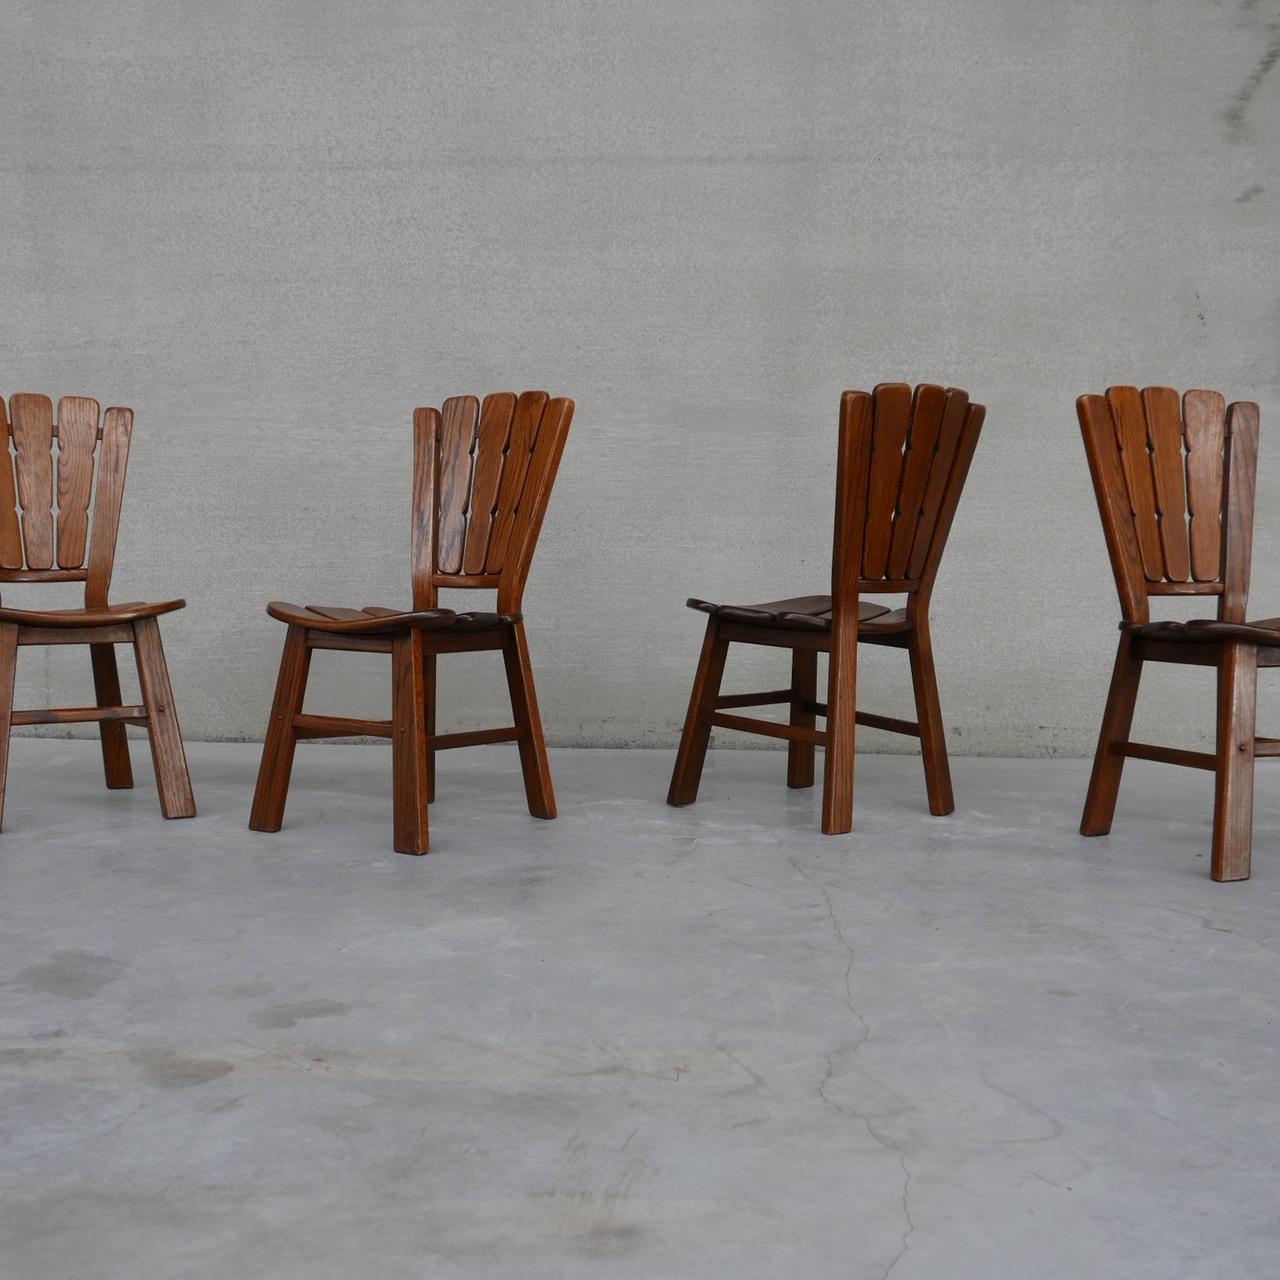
522	441
492	439
927	407
10	531
459	419
281	738
1233	781
1169	468
1241	463
77	440
32	426
1204	416
409	746
534	765
1135	458
115	741
892	422
113	462
172	778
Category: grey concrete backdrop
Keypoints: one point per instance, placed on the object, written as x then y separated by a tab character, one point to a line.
275	228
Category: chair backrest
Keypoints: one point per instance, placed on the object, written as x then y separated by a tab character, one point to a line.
904	456
59	522
1175	484
483	474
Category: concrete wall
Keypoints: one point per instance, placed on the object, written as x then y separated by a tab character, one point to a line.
275	228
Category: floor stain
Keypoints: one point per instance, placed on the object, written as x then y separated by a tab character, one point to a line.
172	1070
75	975
278	1016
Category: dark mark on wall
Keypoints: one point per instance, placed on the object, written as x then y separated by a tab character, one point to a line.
1248	194
1235	117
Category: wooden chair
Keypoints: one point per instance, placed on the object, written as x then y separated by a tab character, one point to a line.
52	543
1175	488
903	458
482	477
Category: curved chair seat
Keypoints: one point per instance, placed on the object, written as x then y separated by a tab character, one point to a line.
378	620
803	613
1209	631
106	615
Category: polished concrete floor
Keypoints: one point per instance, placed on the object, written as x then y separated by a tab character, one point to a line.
638	1041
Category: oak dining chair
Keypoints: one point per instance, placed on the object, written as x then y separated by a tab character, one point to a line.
902	462
59	525
482	478
1175	480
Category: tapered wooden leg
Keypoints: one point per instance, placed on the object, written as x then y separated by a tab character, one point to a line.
1233	793
524	705
277	751
115	742
409	743
8	666
933	741
429	690
172	779
804	688
697	723
837	776
1117	719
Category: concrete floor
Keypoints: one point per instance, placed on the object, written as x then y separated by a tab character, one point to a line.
635	1042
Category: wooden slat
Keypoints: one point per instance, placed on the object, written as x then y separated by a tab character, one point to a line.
77	439
950	430
1168	755
426	443
33	445
893	416
1097	426
43	575
10	532
1168	464
78	715
309	726
457	440
524	436
767	699
113	461
122	634
1131	435
1237	524
922	445
770	728
1204	417
475	737
492	439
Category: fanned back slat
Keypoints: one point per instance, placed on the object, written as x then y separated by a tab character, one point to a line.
1204	418
10	533
1131	435
490	456
892	419
950	429
113	460
922	442
523	438
426	445
77	439
1168	464
33	445
457	441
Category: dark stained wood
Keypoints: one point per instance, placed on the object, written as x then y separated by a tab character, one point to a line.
90	464
282	735
903	459
1169	467
1205	416
409	745
8	667
31	419
1215	508
172	778
482	478
10	531
115	742
77	440
459	417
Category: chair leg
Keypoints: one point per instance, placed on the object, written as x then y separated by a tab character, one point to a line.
8	665
277	751
409	743
804	688
1117	719
172	779
429	692
687	773
524	705
837	775
1233	791
115	741
933	741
